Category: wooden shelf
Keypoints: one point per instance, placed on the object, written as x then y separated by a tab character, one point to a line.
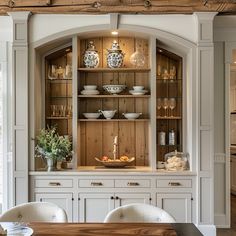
168	80
59	81
58	118
114	70
167	145
113	120
60	97
169	118
114	96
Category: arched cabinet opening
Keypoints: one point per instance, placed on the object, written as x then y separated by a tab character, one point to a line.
115	97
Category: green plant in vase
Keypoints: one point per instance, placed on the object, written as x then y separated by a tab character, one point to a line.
53	147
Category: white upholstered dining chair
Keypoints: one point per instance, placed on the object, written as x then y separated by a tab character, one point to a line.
137	212
35	212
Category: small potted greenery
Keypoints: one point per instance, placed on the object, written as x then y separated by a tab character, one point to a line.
52	147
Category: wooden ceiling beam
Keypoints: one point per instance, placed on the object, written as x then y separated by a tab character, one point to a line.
118	6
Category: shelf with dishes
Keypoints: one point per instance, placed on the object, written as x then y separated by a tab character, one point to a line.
113	99
114	120
112	90
112	96
107	69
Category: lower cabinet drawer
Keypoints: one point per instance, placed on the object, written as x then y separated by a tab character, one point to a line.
98	183
132	183
174	183
53	183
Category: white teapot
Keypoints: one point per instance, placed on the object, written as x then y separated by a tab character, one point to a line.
108	114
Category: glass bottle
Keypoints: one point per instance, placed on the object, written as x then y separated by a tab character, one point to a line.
172	137
162	138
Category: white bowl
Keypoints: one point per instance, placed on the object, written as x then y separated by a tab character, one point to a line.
131	116
90	87
91	115
114	89
138	88
108	114
137	92
89	92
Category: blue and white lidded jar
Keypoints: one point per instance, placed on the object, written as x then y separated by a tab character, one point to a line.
91	57
115	56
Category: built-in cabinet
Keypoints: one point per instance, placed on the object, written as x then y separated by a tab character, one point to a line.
90	196
89	199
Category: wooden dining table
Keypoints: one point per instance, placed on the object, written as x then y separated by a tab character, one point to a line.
115	229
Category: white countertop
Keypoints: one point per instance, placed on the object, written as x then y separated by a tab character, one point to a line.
87	170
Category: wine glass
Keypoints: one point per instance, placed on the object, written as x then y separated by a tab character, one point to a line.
159	104
53	110
165	104
172	105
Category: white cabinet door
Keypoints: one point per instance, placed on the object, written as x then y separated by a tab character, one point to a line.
63	200
122	199
177	204
233	174
93	207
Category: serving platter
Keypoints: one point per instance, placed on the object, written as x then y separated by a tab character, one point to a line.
115	163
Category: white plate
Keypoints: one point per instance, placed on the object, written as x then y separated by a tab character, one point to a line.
89	92
135	92
22	231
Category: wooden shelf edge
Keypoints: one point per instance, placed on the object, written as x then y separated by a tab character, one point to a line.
59	97
169	118
58	118
114	70
114	96
112	120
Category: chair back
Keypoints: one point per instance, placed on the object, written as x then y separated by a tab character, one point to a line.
35	212
139	213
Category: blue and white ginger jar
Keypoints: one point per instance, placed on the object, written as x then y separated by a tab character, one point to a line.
115	56
91	57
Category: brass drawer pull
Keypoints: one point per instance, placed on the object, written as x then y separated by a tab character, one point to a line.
133	184
96	184
174	184
54	184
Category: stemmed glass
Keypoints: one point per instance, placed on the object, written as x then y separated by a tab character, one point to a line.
159	105
172	105
165	104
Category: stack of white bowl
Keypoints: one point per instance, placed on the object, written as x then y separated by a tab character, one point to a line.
138	90
90	90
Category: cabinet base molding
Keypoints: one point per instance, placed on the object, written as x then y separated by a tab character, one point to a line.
207	230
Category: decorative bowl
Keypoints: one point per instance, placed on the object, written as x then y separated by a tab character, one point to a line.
114	89
131	116
108	114
91	115
138	88
90	87
115	163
